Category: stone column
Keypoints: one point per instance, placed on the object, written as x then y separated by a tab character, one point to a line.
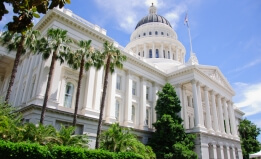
222	152
128	100
155	98
232	119
220	115
226	116
89	88
161	55
240	155
198	123
214	112
201	116
204	151
186	123
110	111
228	152
233	152
153	50
98	90
208	116
214	151
176	54
142	110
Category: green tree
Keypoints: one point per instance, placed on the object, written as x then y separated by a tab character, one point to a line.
25	10
119	139
56	43
248	132
170	139
112	58
82	58
19	42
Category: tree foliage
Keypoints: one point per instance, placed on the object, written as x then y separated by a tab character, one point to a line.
119	139
170	139
248	132
25	10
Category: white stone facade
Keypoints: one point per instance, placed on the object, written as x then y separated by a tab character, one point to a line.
154	57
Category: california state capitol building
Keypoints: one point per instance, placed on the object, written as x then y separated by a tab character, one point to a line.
155	56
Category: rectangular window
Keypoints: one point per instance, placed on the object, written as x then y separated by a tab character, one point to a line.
147	93
117	110
133	113
147	116
134	88
118	82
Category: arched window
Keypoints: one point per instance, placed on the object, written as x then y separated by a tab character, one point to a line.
68	95
144	34
162	33
139	54
168	55
117	110
167	34
150	55
133	113
150	33
157	53
156	33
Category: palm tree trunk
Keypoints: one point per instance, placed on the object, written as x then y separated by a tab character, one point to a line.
47	91
16	62
78	92
97	145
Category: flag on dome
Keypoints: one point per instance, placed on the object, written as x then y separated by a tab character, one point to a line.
186	20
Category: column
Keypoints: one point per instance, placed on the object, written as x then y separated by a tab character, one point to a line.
89	88
153	50
97	90
186	123
226	116
220	115
222	152
201	114
195	102
214	151
228	152
232	119
161	55
179	93
214	112
155	98
145	50
176	54
204	151
142	110
233	152
128	100
110	111
240	155
208	116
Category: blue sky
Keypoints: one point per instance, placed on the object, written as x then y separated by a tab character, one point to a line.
225	33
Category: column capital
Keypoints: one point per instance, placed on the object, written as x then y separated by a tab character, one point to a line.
212	92
199	83
193	81
206	88
184	87
178	85
218	96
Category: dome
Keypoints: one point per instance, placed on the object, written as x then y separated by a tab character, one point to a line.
153	17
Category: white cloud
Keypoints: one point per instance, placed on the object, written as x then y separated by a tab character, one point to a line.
128	13
248	98
250	64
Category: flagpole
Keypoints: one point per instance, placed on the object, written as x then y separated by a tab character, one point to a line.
186	21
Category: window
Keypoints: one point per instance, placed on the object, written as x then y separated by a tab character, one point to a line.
139	35
139	54
168	55
118	82
144	34
156	33
133	113
167	34
157	53
162	33
164	54
143	53
150	55
134	87
147	93
150	33
68	96
117	110
188	101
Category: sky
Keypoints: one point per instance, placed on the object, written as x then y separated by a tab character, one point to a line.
225	33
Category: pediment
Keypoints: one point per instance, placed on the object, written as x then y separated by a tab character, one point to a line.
215	74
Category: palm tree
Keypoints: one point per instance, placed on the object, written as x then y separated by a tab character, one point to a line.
19	42
55	43
112	57
83	59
